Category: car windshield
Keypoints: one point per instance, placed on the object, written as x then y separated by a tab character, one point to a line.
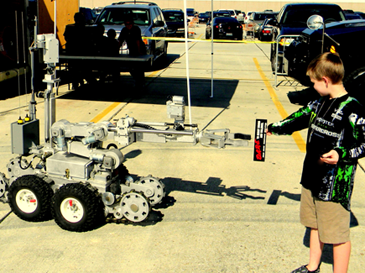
225	20
173	16
116	16
263	16
190	12
298	17
221	14
231	12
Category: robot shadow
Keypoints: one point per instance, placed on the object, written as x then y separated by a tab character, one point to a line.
213	186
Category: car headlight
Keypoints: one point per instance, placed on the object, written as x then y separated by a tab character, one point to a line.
333	49
286	41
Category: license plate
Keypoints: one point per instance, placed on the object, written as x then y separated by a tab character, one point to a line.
229	34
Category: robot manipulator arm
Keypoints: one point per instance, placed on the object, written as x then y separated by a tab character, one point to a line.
85	139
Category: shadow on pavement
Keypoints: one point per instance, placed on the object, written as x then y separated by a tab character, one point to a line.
157	91
212	186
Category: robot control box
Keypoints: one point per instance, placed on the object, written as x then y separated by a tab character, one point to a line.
24	136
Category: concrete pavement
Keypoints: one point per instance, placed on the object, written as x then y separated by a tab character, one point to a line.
223	211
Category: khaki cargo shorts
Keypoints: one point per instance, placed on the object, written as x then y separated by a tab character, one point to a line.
331	219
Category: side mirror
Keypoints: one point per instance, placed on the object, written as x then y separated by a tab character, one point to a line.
315	22
159	24
272	22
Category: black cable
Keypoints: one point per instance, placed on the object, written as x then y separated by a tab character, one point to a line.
144	126
30	163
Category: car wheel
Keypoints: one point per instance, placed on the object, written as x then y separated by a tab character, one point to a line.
355	84
164	51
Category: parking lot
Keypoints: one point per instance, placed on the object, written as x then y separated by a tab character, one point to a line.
223	211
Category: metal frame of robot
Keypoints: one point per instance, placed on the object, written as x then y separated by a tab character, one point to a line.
76	180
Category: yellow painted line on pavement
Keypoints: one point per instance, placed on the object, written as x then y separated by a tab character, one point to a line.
105	112
296	135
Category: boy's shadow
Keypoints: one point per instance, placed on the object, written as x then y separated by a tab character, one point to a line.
327	253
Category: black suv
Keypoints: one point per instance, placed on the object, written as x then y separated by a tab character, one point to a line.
175	22
339	37
292	19
147	16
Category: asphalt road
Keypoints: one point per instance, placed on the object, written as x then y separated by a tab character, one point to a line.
223	212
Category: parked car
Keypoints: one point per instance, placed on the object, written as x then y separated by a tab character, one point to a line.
245	20
97	10
147	16
292	19
89	15
190	13
256	19
204	17
175	22
265	32
240	16
232	12
224	28
342	36
222	13
352	16
362	14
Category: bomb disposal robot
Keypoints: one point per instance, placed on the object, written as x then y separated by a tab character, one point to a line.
75	180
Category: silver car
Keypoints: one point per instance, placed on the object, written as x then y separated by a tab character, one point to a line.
147	16
257	18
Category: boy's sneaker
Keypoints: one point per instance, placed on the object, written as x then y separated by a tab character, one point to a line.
304	269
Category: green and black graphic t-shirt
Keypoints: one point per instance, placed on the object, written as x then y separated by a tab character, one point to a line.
332	124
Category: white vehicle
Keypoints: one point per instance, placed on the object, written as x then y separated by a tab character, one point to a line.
240	16
231	11
247	17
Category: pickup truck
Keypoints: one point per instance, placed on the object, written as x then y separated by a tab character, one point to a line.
341	37
292	20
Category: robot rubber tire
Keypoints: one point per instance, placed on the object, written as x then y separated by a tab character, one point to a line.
78	208
30	198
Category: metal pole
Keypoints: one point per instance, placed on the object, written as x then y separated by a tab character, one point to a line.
322	39
32	103
187	63
212	52
55	19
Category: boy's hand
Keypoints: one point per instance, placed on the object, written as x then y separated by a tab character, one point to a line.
331	157
268	133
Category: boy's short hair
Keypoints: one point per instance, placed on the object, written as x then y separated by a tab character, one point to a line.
327	65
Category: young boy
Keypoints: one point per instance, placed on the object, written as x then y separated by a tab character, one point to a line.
335	141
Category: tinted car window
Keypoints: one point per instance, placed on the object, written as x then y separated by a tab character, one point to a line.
190	12
117	16
231	12
263	16
224	20
299	17
173	16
